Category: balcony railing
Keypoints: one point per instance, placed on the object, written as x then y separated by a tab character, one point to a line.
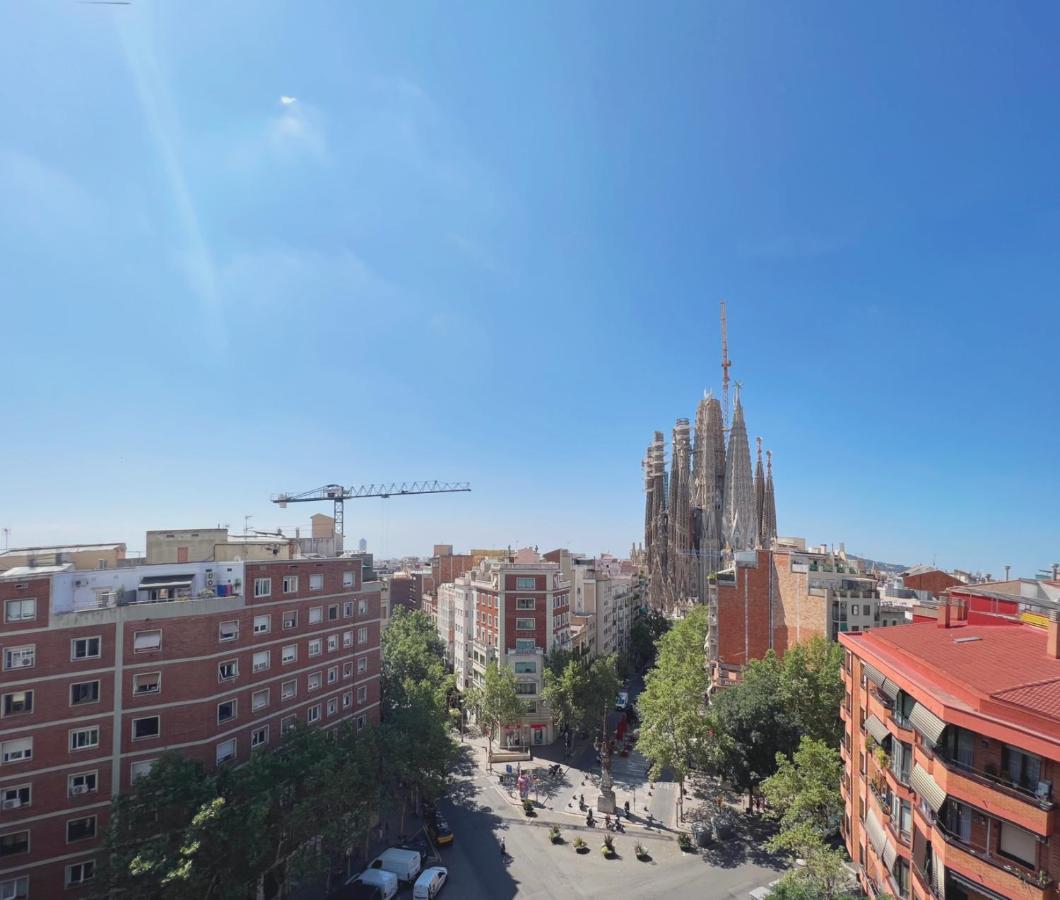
1040	879
993	780
926	880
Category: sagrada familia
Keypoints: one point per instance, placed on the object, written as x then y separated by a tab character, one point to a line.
708	506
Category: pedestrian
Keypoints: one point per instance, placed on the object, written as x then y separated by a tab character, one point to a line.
503	853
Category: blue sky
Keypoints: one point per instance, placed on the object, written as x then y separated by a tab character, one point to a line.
488	241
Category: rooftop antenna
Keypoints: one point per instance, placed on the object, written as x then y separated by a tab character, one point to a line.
725	363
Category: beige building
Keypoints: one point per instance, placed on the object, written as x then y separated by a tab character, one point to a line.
214	545
80	556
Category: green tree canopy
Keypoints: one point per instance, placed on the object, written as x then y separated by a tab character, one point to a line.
812	685
644	636
804	790
496	701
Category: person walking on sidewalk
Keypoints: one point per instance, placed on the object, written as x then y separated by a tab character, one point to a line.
503	853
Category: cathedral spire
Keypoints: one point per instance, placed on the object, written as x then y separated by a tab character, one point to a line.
738	508
769	506
760	495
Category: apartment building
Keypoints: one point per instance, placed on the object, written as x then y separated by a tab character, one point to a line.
103	671
521	612
454	620
78	556
951	748
603	601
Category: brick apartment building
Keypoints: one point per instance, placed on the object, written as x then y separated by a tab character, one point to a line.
103	671
520	612
951	749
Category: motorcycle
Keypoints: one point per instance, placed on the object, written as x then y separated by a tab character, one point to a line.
554	770
589	820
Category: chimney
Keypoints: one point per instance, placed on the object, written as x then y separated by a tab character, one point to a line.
1052	639
1006	572
1056	569
945	610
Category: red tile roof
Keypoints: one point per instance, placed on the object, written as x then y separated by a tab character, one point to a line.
1005	662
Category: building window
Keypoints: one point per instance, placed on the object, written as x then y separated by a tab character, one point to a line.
261	661
362	635
316	582
80	829
347	579
315	647
14	843
362	665
85	648
262	587
227	670
15	797
18	750
524	602
333	643
259	737
81	872
22	610
313	714
333	706
362	694
262	624
362	607
290	584
147	683
226	711
1022	769
313	682
361	721
20	657
226	751
1019	844
347	639
17	703
527	667
525	583
82	783
290	619
148	727
227	631
347	670
289	654
347	700
525	624
138	769
525	687
525	644
347	609
287	723
84	738
316	615
530	706
333	612
15	888
288	690
259	700
84	692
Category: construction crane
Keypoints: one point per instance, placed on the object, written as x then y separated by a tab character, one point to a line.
339	494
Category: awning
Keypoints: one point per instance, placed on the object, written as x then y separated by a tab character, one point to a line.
877	729
152	582
874	829
890	854
889	688
926	722
873	674
926	787
974	886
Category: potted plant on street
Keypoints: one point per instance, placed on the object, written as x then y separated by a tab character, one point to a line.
641	853
608	847
554	835
580	845
684	842
528	807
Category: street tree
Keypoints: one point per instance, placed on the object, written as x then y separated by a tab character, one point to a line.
599	689
804	792
496	701
644	636
565	686
673	729
812	686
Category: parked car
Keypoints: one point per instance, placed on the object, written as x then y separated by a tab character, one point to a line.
405	864
439	830
429	883
374	882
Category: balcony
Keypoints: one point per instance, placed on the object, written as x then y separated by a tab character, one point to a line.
977	865
1001	798
923	881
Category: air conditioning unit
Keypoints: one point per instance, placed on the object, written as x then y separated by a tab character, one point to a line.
209	578
13	803
78	789
79	582
22	662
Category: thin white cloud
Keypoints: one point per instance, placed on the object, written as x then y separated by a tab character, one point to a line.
287	101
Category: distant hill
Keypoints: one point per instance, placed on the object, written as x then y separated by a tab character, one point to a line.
869	564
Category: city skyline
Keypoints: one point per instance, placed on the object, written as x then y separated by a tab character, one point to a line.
443	243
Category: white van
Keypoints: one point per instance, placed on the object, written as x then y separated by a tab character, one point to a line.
403	863
386	882
430	883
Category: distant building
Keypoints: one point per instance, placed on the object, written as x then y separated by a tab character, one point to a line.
80	556
398	587
362	545
215	545
951	754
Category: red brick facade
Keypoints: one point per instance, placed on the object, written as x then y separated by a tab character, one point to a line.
220	650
